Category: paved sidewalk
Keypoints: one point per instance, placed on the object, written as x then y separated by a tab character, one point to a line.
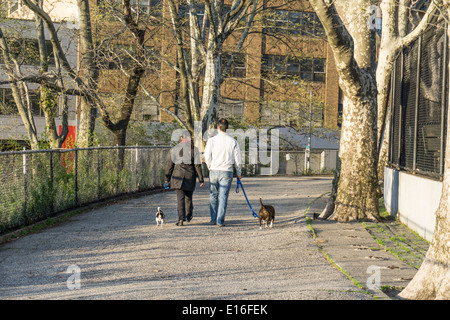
380	256
121	254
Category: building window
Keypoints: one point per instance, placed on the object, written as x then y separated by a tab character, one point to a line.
148	7
294	22
309	69
14	5
183	13
237	68
292	113
145	109
26	52
231	109
8	105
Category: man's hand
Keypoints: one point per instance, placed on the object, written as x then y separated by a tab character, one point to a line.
239	177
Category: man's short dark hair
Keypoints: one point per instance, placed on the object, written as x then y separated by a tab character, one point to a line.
223	124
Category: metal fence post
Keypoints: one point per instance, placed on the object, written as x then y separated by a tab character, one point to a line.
136	167
52	200
444	103
417	97
118	168
99	169
24	164
392	111
76	176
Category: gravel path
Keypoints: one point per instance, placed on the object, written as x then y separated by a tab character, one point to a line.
121	254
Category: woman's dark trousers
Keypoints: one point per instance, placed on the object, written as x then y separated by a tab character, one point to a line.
185	207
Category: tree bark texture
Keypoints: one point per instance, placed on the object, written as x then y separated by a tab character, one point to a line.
90	74
357	196
211	88
48	97
353	46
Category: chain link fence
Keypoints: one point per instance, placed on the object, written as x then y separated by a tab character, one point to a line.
38	184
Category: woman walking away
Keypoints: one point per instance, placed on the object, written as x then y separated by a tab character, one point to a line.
183	169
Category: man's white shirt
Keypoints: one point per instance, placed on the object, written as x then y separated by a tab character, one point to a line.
221	152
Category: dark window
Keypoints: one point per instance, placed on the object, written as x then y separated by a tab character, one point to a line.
26	51
237	68
309	69
149	7
231	109
294	22
8	105
14	6
145	8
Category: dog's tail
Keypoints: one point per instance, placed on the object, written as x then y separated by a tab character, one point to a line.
261	202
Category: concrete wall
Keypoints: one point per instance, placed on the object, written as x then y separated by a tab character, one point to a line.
413	199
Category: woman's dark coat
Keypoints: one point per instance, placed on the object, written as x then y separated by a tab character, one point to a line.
183	170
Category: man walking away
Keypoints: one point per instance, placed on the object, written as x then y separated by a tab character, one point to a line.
221	152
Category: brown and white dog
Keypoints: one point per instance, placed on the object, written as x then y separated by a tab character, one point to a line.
266	213
160	220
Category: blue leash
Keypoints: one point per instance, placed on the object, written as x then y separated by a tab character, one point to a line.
237	191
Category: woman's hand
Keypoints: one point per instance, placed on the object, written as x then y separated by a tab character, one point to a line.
201	184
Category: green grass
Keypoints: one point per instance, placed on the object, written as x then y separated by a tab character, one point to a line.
382	209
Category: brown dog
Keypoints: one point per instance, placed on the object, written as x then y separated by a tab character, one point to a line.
266	213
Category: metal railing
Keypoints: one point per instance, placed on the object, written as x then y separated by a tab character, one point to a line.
36	185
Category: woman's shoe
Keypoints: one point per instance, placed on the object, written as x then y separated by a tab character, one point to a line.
189	218
179	223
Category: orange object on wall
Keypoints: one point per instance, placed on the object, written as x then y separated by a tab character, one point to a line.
69	143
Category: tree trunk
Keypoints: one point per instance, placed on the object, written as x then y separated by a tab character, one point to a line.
354	53
120	135
47	101
211	89
90	74
432	281
357	196
329	208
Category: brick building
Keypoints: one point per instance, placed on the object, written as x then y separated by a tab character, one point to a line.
267	71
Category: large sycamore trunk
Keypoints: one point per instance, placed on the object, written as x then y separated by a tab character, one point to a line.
90	74
353	46
357	196
211	89
432	281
